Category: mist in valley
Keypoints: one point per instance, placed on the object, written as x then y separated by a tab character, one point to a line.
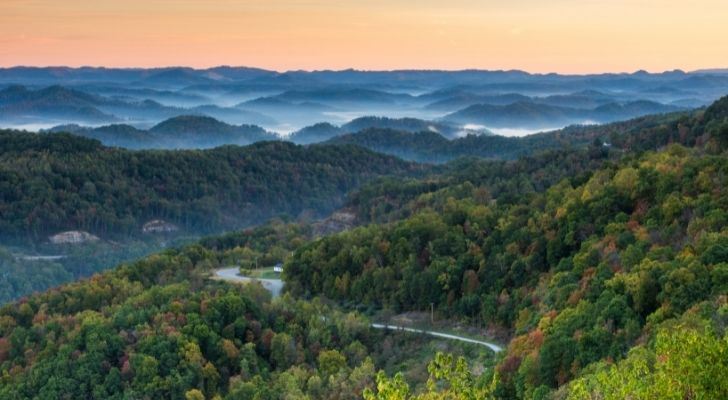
97	102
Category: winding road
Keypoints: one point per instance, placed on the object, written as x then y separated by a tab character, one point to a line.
443	335
274	286
232	274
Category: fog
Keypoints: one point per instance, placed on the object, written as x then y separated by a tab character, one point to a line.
502	103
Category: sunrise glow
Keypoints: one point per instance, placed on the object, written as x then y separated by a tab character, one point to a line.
565	36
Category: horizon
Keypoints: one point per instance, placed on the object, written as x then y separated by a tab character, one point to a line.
354	69
564	36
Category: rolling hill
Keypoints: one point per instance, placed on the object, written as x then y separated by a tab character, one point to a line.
533	115
20	104
325	131
113	192
204	132
182	132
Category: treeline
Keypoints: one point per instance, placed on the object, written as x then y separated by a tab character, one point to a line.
52	183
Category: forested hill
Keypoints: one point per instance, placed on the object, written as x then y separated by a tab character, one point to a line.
608	283
58	182
158	329
180	132
431	147
628	266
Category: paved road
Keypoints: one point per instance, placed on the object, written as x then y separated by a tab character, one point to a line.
489	345
276	285
39	258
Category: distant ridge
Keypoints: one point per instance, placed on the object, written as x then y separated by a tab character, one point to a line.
187	131
324	131
529	114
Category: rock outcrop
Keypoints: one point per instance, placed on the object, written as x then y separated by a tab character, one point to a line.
73	237
159	226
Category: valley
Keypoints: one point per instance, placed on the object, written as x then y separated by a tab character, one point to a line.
413	253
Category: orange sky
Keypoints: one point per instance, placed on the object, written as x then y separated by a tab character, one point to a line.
571	36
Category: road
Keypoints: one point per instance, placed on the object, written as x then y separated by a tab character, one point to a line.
39	258
443	335
275	286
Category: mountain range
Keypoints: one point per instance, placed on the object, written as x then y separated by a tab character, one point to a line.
504	102
531	115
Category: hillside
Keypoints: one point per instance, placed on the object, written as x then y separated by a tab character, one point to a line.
19	104
60	182
430	147
632	256
406	145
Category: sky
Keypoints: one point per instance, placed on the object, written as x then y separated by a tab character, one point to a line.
566	36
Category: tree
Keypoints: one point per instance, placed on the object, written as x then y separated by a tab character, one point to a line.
194	394
684	364
330	362
450	379
283	351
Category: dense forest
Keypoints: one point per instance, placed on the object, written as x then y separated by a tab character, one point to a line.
53	183
58	182
627	249
578	274
158	328
604	268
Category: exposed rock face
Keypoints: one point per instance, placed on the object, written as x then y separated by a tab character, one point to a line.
159	226
73	237
336	222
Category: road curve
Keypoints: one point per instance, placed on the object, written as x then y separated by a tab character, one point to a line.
489	345
232	274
